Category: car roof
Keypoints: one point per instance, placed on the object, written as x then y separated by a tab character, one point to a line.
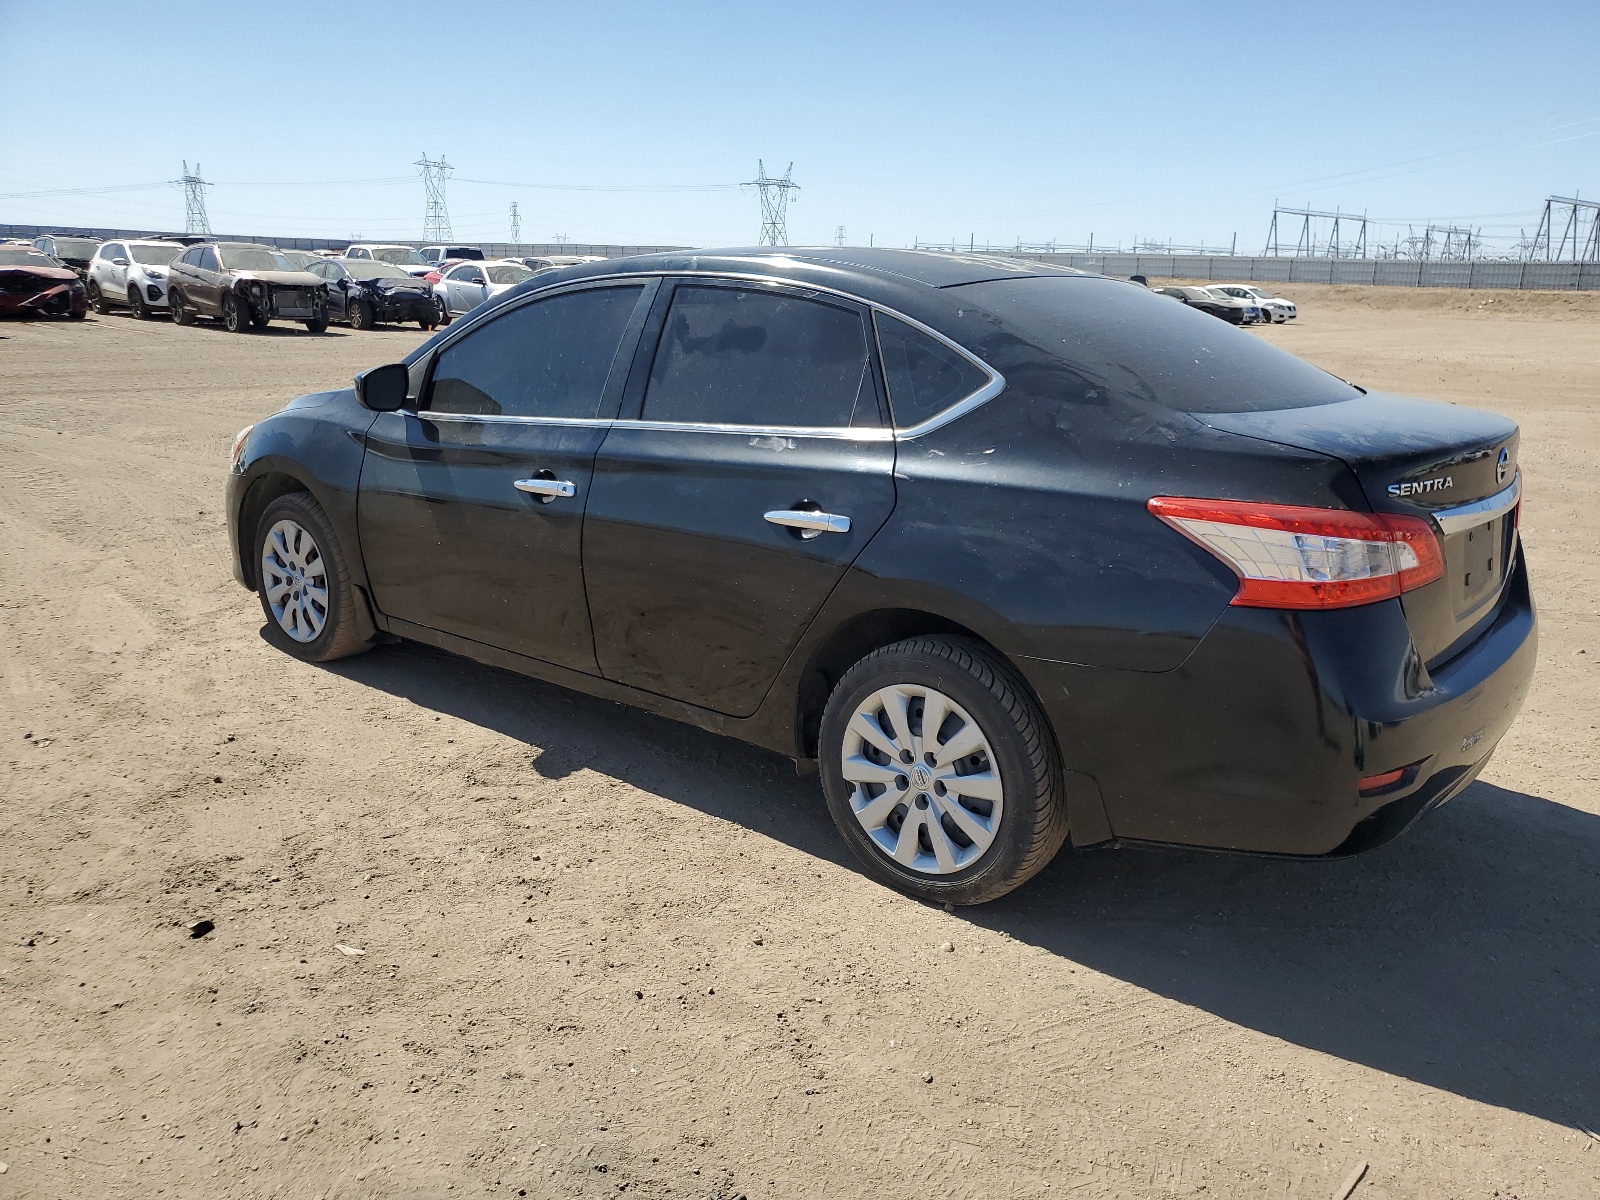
909	280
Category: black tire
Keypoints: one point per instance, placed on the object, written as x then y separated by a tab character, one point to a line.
181	315
317	324
141	310
347	626
361	315
235	314
260	319
441	311
97	300
1033	817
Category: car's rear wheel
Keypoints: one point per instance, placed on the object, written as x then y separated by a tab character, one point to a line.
361	315
97	300
312	609
180	313
941	772
235	314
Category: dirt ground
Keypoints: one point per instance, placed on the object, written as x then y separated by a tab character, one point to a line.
608	955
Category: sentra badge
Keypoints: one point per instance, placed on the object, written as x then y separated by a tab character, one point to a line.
1422	486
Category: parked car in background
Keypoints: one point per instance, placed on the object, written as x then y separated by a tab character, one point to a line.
1011	553
73	252
466	285
438	254
1235	312
407	258
244	285
364	293
33	284
1276	307
131	273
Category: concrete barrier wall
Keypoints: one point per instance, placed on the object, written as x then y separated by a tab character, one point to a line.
1540	276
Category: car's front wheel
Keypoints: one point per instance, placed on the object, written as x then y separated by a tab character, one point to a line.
361	315
312	608
235	314
141	310
441	311
941	771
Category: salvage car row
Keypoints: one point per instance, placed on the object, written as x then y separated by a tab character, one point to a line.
248	285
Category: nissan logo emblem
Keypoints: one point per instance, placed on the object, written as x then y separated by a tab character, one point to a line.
1502	466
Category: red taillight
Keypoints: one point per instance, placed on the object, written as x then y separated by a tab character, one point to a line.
1292	557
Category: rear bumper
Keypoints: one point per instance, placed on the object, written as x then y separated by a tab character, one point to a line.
1259	741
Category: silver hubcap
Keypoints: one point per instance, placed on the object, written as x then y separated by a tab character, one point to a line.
295	578
926	787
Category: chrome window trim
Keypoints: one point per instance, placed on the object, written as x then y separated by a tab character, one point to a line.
1479	512
961	408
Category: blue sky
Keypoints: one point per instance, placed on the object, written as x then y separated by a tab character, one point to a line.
998	121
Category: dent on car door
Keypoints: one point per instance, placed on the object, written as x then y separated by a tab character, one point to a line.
760	408
471	509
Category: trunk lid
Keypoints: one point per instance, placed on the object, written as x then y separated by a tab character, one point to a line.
1423	459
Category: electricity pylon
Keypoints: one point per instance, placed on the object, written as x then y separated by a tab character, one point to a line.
516	225
194	201
436	222
774	204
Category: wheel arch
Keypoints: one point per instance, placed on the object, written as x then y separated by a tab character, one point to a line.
854	639
262	491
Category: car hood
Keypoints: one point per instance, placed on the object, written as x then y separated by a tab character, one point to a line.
286	278
53	274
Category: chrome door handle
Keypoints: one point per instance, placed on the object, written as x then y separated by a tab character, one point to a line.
811	522
546	487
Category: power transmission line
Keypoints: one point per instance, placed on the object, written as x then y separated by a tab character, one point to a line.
436	221
774	194
194	201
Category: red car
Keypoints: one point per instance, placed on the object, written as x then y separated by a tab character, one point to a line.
34	284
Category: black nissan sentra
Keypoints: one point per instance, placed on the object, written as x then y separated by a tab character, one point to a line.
1012	554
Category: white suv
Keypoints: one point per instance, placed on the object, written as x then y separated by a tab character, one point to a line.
131	273
404	257
1276	308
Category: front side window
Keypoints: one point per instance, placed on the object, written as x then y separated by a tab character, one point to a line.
733	356
550	358
208	259
109	251
925	376
467	275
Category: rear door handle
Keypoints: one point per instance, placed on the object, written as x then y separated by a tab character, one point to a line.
811	523
547	487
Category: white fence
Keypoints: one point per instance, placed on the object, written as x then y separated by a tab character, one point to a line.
1539	276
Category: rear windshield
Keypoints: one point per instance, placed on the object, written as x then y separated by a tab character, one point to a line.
506	273
398	254
154	256
1121	342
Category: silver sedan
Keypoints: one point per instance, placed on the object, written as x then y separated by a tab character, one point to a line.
468	284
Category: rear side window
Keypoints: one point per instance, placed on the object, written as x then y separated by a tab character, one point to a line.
546	359
1096	340
731	356
925	376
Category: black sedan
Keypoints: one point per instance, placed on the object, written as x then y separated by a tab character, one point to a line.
1014	554
364	293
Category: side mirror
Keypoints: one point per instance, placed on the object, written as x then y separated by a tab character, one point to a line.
119	262
344	283
383	389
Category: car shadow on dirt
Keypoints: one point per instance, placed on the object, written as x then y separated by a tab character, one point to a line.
1464	956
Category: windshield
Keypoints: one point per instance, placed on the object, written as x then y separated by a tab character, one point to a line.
1092	340
301	258
75	247
364	269
399	254
154	256
25	256
253	258
507	273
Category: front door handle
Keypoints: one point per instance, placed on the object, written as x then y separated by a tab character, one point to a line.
809	523
547	487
